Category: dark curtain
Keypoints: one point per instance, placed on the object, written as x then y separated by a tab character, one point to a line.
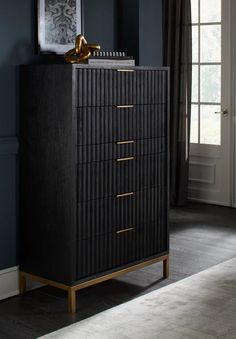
177	54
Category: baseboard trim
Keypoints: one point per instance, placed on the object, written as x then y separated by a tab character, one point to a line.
9	283
210	202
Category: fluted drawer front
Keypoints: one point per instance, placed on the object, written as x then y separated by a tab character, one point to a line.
120	149
105	87
106	215
98	254
109	124
108	178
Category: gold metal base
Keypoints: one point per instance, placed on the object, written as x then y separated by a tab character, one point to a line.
71	290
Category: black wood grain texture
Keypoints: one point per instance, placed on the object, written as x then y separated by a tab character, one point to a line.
48	174
107	215
102	253
108	124
108	87
112	177
69	157
108	151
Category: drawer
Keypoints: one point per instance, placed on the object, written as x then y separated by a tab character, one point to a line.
113	177
107	215
97	125
120	149
106	87
99	254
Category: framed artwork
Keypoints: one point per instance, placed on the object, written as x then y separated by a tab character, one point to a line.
59	22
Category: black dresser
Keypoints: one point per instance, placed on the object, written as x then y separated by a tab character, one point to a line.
93	173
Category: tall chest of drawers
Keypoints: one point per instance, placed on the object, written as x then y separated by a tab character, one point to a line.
93	173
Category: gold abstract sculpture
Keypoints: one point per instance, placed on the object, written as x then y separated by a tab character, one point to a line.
82	50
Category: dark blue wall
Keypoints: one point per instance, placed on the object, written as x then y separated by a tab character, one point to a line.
140	30
128	28
101	21
15	42
100	18
150	32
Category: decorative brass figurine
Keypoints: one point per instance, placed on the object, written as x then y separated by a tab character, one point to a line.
82	50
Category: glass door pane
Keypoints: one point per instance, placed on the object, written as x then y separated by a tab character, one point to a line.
210	83
210	43
210	125
210	11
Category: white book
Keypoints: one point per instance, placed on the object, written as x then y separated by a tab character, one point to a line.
111	62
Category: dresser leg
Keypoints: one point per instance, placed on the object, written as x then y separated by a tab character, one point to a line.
22	283
71	300
166	267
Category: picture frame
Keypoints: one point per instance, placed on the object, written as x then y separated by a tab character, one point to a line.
58	24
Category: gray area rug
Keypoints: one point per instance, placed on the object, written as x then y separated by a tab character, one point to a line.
202	306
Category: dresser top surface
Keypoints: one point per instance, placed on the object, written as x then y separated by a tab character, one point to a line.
86	66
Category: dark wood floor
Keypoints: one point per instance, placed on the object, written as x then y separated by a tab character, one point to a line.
201	236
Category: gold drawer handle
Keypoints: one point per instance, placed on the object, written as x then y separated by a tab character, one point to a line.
125	70
124	194
125	142
124	106
125	230
125	159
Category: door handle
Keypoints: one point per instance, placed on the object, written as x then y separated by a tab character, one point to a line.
223	112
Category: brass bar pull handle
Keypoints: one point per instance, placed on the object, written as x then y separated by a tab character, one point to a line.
125	142
124	106
125	159
125	230
125	70
124	195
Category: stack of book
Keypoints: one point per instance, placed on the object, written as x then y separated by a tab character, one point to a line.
111	59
